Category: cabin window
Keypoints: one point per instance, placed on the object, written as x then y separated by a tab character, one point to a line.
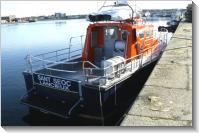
148	33
141	34
110	33
124	35
134	35
94	38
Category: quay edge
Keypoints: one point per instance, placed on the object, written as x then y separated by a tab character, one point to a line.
170	83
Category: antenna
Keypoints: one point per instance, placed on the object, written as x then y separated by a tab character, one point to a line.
102	6
135	6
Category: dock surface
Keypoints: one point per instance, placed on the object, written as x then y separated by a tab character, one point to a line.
166	98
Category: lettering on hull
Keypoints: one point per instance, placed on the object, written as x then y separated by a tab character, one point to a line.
55	82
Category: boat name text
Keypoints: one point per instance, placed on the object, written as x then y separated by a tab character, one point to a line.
54	82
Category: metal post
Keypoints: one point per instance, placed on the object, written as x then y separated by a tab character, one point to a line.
69	48
141	60
81	41
151	54
101	106
29	61
80	90
105	75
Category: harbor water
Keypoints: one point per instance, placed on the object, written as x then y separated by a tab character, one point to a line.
18	40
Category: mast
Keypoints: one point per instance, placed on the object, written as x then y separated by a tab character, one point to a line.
124	3
108	14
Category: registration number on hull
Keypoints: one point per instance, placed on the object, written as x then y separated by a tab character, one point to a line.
55	82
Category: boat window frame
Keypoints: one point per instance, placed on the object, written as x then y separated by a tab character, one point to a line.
127	33
141	32
148	33
91	40
134	35
115	32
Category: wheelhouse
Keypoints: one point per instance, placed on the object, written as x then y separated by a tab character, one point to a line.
107	40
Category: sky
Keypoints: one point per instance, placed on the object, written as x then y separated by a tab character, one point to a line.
37	8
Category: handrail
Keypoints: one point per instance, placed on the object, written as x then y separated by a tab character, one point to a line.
126	59
133	61
59	70
75	37
55	62
51	52
54	57
70	44
90	64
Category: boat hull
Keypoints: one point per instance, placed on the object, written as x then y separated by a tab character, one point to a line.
97	103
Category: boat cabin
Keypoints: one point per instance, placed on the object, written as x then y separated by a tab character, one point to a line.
107	40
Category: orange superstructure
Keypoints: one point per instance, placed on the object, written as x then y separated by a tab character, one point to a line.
137	37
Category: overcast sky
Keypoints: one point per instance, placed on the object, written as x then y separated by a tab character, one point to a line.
36	8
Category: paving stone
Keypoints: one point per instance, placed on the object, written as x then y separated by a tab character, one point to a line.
175	104
146	121
173	76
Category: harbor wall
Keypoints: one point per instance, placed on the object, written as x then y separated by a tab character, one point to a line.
166	98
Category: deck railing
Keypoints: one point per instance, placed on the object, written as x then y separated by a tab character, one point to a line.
102	76
91	72
61	56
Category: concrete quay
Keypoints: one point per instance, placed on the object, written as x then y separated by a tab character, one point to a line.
166	98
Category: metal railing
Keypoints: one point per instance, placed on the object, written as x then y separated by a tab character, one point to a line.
93	73
77	43
102	75
61	56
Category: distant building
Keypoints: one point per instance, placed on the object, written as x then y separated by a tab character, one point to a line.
10	18
41	17
60	15
3	21
163	12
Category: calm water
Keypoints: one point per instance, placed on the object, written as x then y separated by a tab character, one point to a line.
17	40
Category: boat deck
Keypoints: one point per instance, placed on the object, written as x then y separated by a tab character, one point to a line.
75	72
72	71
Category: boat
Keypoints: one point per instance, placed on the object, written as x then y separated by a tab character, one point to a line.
85	82
31	20
171	25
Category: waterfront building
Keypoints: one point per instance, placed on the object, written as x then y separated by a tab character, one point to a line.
9	18
60	15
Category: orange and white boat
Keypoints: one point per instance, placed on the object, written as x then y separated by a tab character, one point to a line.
85	82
